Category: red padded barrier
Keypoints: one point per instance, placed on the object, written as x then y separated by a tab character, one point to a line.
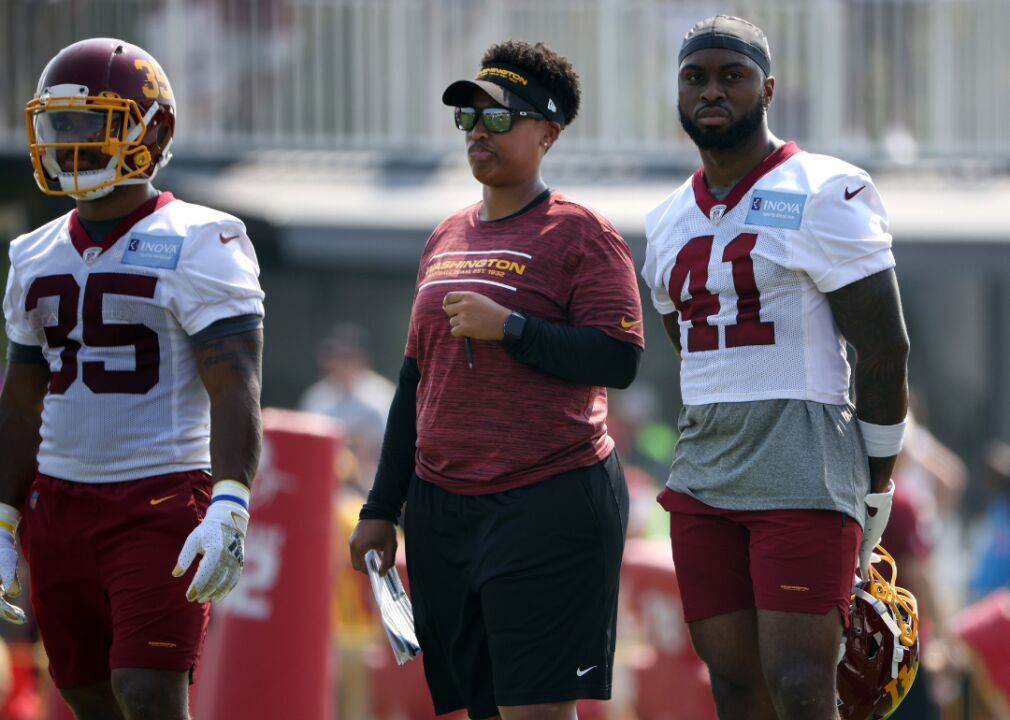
269	645
984	627
671	682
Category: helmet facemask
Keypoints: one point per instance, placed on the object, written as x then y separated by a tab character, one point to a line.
903	618
85	145
880	655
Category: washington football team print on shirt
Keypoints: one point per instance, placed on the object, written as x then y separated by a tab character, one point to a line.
558	261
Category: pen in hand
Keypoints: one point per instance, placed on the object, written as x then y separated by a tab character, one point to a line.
469	351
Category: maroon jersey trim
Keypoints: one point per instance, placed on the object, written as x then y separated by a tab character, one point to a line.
82	241
706	200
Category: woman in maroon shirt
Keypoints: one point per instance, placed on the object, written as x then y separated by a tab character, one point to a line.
526	308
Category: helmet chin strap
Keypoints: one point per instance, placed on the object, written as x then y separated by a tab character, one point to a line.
67	182
899	652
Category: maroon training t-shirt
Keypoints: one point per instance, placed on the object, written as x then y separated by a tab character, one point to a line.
503	424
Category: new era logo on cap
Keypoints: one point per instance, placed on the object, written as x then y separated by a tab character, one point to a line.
510	87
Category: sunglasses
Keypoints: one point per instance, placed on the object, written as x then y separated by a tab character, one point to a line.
495	119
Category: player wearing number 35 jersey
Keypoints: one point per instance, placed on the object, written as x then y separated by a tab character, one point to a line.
764	264
129	422
120	353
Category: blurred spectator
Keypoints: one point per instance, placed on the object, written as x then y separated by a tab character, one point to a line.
643	520
934	477
910	542
645	443
992	543
928	466
353	393
924	537
642	437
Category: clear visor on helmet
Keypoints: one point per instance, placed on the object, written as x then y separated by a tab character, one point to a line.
73	127
79	139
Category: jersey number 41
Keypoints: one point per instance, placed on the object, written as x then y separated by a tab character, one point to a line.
692	267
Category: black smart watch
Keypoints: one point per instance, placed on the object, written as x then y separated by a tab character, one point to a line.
513	328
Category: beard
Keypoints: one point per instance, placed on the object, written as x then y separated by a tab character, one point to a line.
87	159
727	138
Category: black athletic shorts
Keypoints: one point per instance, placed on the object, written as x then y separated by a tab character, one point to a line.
515	592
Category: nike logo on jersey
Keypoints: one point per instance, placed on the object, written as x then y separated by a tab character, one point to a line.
850	195
625	323
159	501
579	672
225	239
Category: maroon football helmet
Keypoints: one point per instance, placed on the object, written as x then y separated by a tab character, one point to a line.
881	652
103	115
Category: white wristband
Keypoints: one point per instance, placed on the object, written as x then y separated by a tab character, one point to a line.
231	491
882	440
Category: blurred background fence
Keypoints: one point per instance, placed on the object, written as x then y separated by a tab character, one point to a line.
870	79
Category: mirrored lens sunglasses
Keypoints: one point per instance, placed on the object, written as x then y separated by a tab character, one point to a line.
495	119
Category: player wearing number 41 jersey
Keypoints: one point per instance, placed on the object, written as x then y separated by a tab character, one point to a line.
763	265
129	422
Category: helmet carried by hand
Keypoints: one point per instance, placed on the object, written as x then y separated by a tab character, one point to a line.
881	650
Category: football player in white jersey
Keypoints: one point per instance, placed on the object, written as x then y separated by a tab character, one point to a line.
130	421
763	265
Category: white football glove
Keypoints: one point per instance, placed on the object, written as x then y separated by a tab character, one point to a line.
878	510
220	538
10	586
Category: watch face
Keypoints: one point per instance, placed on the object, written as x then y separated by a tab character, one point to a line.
514	325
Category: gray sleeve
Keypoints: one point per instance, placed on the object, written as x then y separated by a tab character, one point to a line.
18	353
227	326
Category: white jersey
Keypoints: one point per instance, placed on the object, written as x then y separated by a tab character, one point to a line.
125	400
748	275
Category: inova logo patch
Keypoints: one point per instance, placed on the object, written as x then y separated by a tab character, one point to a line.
776	209
159	251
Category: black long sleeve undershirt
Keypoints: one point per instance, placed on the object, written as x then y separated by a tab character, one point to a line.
585	356
399	443
581	355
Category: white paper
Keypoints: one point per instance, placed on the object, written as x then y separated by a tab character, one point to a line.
394	608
